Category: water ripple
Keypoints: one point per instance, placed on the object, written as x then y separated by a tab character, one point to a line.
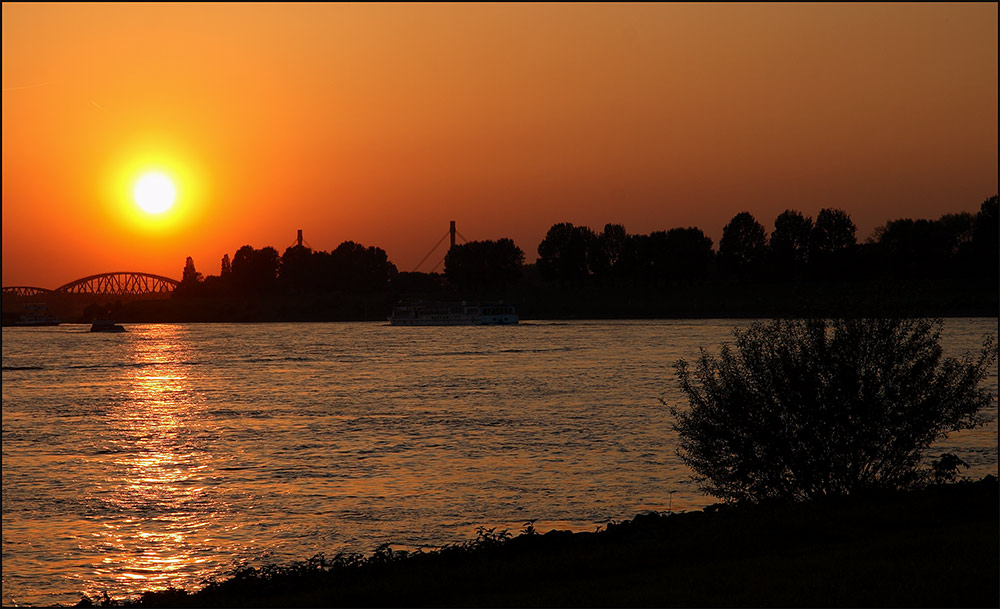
170	454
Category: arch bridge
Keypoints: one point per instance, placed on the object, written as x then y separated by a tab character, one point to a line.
25	290
115	284
119	283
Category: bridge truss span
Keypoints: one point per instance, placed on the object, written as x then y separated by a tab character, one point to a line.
25	290
120	283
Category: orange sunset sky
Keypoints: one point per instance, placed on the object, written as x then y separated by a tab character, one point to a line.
380	123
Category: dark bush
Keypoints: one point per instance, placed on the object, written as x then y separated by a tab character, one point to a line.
802	409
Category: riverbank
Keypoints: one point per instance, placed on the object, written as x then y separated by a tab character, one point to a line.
934	547
536	299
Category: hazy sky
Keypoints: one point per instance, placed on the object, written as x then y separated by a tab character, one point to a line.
380	123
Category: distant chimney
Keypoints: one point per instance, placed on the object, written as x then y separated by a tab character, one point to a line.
300	238
453	234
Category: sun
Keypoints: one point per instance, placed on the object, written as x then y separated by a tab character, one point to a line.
154	192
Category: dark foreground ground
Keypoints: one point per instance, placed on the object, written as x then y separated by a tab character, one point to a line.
937	547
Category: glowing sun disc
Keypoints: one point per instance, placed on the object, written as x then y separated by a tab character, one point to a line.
154	193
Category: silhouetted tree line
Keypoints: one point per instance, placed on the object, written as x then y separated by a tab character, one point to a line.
798	248
299	271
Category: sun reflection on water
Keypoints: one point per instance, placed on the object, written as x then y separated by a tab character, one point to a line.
170	454
155	482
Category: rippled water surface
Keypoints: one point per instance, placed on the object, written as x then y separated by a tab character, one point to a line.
167	454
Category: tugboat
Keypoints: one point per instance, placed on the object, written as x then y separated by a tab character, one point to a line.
453	314
106	325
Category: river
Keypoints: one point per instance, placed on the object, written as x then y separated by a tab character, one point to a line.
171	453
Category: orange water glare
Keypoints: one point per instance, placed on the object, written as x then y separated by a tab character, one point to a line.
156	477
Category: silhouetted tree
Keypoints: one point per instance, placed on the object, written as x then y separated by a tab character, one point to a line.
190	280
833	232
611	251
216	286
959	228
914	248
353	266
563	253
652	260
945	469
831	244
298	270
190	274
680	253
743	245
227	266
790	244
809	408
255	271
986	240
481	264
688	252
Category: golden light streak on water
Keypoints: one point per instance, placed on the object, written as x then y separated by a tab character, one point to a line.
162	456
153	471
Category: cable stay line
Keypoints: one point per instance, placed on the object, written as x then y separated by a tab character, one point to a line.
436	245
439	263
452	232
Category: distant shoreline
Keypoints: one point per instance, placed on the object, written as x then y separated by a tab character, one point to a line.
523	321
545	301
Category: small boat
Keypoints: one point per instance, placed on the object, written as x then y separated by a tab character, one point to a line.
453	314
106	325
